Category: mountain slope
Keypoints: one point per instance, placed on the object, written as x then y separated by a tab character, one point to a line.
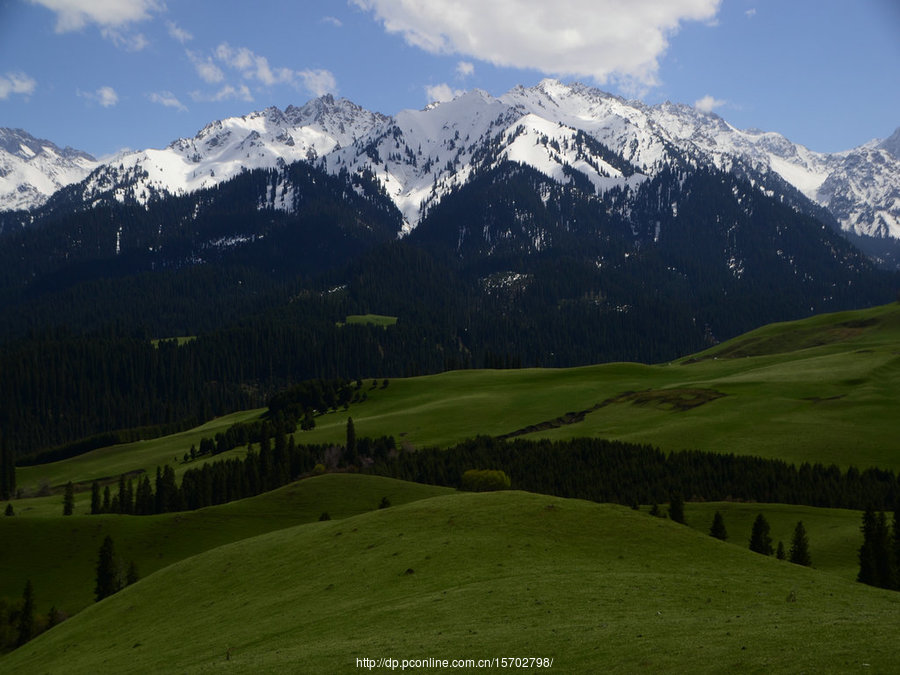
266	139
420	156
32	169
478	576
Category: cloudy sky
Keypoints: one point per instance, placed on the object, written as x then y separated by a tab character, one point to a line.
102	75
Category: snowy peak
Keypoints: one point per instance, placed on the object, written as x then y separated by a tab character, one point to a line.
892	144
341	119
223	149
419	156
32	169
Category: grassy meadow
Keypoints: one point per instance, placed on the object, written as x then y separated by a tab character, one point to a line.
479	576
819	390
59	554
260	585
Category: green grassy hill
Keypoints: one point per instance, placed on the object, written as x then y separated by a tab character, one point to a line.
59	554
834	534
597	588
819	390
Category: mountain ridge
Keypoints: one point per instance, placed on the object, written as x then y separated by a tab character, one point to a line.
420	155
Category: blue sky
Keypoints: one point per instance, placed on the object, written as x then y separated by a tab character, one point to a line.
102	75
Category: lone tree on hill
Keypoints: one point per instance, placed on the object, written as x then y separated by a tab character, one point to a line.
95	498
351	441
800	546
7	471
132	576
760	541
676	507
717	529
26	616
109	579
876	566
69	500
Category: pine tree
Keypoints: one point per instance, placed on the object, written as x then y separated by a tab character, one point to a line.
717	529
69	500
108	574
7	471
132	575
760	541
95	498
26	616
120	498
876	564
106	506
9	510
896	542
779	550
143	500
800	546
128	497
351	442
676	507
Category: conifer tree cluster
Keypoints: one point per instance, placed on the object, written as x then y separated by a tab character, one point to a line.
20	622
111	573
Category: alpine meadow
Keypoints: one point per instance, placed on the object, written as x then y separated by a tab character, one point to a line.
561	376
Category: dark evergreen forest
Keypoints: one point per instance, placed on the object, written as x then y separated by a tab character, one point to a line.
511	270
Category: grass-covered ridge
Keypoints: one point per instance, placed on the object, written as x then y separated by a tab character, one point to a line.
595	587
818	390
59	553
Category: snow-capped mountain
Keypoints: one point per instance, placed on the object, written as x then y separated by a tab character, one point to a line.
419	156
32	169
223	149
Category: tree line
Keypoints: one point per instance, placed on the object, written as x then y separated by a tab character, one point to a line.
626	473
585	468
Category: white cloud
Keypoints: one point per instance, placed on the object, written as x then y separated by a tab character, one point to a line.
113	17
105	96
708	103
252	66
318	82
178	33
440	93
16	83
133	42
76	14
601	39
750	13
228	92
206	69
168	99
465	68
332	20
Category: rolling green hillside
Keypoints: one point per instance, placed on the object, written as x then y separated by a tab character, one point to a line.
59	554
834	534
479	576
819	390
